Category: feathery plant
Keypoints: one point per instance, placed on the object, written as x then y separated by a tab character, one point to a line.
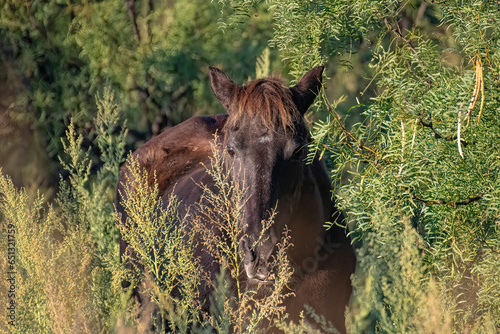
163	245
52	276
162	248
64	261
394	296
96	196
217	222
263	65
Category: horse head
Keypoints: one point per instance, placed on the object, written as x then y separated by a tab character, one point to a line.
265	139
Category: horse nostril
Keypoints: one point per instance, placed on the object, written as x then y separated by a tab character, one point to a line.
249	255
253	255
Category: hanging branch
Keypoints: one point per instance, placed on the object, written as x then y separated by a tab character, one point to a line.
359	144
452	203
478	87
437	135
400	36
341	125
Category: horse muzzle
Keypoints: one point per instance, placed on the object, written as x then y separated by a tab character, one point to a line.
256	261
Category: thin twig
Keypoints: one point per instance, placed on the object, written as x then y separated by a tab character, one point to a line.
436	134
403	135
482	92
452	203
342	127
414	134
360	144
400	35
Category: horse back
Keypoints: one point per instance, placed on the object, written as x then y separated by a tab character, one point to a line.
176	151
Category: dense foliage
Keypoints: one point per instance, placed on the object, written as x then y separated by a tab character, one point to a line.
417	174
154	54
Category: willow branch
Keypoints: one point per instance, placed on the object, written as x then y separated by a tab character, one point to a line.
437	135
452	203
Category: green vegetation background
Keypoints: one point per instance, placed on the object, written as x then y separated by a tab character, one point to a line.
408	124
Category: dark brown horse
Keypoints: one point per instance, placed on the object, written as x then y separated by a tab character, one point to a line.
265	136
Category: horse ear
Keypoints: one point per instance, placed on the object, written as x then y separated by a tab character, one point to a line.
306	90
223	87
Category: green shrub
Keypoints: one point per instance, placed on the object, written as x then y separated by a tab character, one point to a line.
64	252
154	54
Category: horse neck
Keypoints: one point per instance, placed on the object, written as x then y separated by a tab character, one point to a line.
311	208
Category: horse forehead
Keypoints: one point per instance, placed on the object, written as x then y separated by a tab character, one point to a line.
269	146
265	139
254	134
270	137
276	140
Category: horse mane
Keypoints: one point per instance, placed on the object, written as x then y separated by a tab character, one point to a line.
270	101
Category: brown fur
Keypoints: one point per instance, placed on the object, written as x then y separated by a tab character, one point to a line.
175	152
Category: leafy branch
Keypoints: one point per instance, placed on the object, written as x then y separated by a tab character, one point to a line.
444	202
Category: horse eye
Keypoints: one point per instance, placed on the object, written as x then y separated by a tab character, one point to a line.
230	150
